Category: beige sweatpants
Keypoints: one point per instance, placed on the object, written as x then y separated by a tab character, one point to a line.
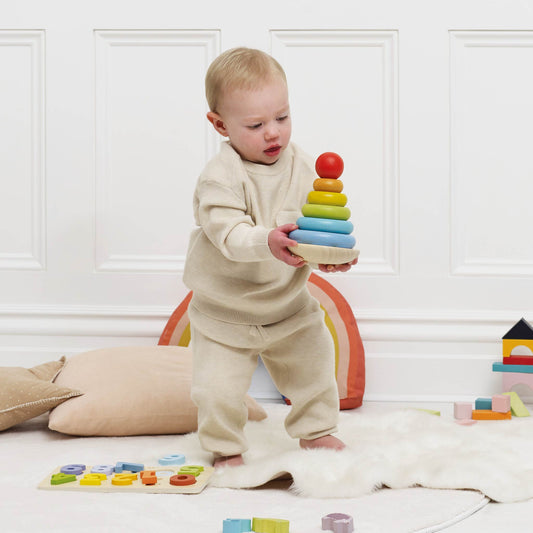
297	352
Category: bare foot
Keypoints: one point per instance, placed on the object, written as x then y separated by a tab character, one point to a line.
328	441
228	460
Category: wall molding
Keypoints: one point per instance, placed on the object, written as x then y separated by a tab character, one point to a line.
387	325
387	41
35	257
107	259
463	264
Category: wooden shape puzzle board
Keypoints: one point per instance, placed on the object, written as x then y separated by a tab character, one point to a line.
162	486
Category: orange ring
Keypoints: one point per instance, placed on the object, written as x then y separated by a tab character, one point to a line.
326	184
182	479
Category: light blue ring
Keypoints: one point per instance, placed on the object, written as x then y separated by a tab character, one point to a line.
325	224
323	238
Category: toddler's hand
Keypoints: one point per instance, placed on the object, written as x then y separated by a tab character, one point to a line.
337	268
278	240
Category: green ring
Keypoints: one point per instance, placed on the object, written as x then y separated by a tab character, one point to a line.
326	211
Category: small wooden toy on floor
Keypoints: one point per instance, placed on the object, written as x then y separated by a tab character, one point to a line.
129	477
338	523
255	525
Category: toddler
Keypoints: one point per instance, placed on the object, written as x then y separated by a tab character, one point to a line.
250	294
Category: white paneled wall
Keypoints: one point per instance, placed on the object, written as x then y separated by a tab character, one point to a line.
103	133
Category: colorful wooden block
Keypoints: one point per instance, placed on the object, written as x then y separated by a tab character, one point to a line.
483	404
466	421
517	406
518	360
236	525
501	403
510	379
338	523
522	369
508	345
483	414
462	410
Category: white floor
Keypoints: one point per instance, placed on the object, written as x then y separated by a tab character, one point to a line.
494	517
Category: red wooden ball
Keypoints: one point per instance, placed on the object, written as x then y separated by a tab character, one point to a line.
329	165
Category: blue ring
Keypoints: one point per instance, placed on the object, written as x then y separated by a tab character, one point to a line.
325	224
323	238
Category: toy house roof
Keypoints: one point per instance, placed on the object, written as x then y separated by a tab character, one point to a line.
521	330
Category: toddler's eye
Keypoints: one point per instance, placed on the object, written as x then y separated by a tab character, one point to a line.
254	126
284	117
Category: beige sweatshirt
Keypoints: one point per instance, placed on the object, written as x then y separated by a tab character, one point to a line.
229	267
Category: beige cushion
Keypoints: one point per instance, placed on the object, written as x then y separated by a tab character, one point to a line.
29	392
142	390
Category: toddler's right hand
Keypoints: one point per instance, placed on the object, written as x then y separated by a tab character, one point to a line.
278	240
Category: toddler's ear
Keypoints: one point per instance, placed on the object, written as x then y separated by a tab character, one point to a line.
217	122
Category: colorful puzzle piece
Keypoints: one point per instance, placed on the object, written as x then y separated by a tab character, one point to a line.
172	459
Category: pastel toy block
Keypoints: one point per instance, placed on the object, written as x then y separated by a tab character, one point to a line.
483	403
75	469
338	523
172	459
501	403
60	478
270	525
517	406
462	410
130	467
465	421
510	379
236	525
518	360
521	369
483	414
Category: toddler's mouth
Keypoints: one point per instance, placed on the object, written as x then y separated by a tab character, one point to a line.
273	150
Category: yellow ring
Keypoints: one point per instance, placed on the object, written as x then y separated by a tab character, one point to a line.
326	211
327	198
330	185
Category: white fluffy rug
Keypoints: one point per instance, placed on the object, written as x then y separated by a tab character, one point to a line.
396	449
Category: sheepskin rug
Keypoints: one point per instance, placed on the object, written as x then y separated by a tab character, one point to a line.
396	449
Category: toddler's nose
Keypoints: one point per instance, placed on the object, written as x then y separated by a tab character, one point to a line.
271	132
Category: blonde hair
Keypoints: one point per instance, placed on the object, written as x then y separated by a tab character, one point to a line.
239	68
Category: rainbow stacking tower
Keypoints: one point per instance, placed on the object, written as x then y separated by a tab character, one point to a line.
324	229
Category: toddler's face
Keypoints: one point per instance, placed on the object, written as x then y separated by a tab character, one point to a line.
257	122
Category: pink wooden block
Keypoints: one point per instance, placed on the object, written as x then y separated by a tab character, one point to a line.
462	410
501	403
510	379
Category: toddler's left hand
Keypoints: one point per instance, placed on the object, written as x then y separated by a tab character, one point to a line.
337	268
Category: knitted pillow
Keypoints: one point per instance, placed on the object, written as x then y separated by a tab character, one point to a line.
349	350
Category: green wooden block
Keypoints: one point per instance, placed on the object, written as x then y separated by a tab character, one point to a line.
517	405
